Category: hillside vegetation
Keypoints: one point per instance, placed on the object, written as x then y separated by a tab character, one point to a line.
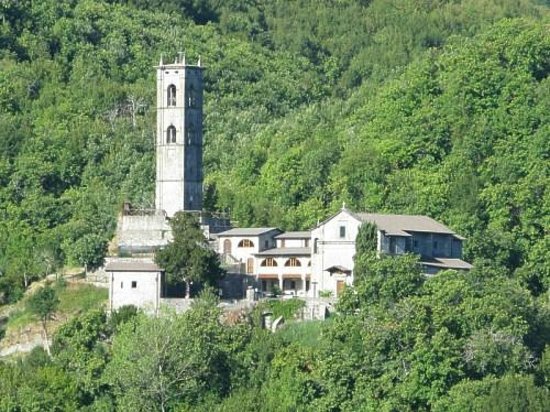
401	106
406	106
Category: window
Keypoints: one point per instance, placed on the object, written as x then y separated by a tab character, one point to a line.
190	134
315	245
292	284
249	265
121	285
227	246
435	244
191	97
134	284
293	262
266	244
307	243
245	243
342	232
415	243
270	262
171	96
171	134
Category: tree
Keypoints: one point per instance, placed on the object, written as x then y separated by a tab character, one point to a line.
366	240
43	304
160	363
188	257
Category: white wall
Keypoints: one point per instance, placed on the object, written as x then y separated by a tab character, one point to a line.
146	294
333	250
291	242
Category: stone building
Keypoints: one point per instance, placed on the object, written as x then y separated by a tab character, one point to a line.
178	187
179	137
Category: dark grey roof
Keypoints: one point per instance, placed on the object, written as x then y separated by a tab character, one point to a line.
132	266
247	231
305	234
338	268
447	263
286	251
399	225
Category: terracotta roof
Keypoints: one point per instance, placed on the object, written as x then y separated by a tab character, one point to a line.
284	251
132	266
247	231
306	234
446	263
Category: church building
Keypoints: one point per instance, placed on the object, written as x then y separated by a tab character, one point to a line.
314	263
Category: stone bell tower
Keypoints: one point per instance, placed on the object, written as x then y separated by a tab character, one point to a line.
179	137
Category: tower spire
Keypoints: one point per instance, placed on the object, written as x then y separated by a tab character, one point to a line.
161	62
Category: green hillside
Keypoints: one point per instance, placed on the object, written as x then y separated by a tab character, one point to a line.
434	107
417	107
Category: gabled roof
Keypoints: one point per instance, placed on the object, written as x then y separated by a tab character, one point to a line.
286	251
248	231
338	269
400	225
306	234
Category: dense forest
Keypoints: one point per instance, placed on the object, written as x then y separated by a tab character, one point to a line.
406	106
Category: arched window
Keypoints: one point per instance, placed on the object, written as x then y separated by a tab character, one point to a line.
171	134
171	95
190	134
245	243
269	262
191	96
315	245
309	263
293	262
227	246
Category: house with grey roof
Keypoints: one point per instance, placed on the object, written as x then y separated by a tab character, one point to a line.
237	246
137	282
333	246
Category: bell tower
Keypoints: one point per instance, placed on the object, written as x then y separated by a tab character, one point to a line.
179	137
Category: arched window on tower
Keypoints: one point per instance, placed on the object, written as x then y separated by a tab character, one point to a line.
190	134
171	134
191	97
171	95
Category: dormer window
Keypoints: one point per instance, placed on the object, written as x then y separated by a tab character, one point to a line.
171	134
171	96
